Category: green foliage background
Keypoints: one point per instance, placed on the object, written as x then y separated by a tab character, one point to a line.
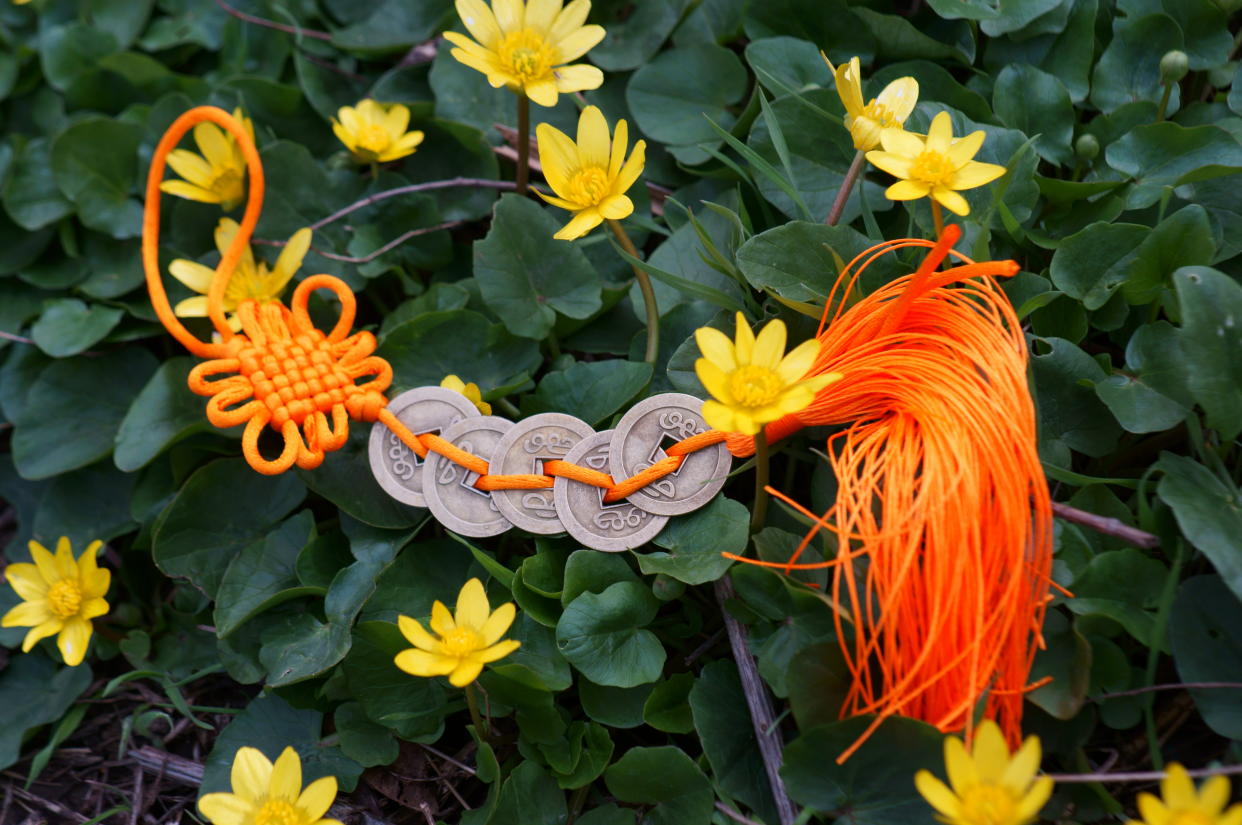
1128	229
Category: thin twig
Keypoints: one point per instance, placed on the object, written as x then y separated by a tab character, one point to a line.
272	24
1141	776
734	815
707	645
8	336
454	762
1172	686
482	183
761	715
136	811
1106	525
395	242
421	53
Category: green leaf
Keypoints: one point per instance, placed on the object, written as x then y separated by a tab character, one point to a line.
589	571
346	480
526	276
68	52
1208	511
31	197
394	26
270	724
221	509
423	573
163	413
602	636
1138	407
96	163
897	38
1122	585
69	326
411	706
635	32
1129	69
875	786
667	708
1067	658
786	64
1070	414
828	24
1211	305
684	255
1203	22
724	728
799	260
1182	239
591	390
34	692
459	342
262	575
1092	264
696	541
673	97
1203	635
1161	155
530	796
74	409
367	743
84	505
1037	103
666	778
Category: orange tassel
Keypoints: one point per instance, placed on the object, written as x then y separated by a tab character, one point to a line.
943	519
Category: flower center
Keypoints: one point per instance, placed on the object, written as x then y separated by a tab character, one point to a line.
1191	818
880	114
64	598
372	137
755	386
460	642
527	55
278	812
988	805
932	167
228	185
589	186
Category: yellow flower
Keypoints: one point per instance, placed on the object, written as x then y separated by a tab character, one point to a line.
890	109
1182	805
250	279
989	787
267	794
376	133
216	176
590	176
938	166
60	596
523	45
471	391
467	641
752	378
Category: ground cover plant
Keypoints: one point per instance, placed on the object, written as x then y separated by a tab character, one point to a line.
574	208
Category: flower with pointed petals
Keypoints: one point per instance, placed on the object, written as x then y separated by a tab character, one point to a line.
471	391
591	175
1183	805
267	794
60	597
751	379
867	121
375	132
989	787
218	175
467	640
249	280
939	166
524	45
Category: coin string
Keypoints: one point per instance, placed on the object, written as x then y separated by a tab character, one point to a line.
941	495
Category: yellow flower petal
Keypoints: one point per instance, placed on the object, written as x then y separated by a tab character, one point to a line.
557	155
958	765
798	362
194	275
1214	794
1153	810
1178	789
217	149
570	18
479	21
472	607
769	345
975	174
73	640
26	580
579	42
714	380
66	564
93	608
466	672
579	225
498	623
417	635
620	142
899	166
226	809
718	416
542	91
251	774
616	207
317	798
422	663
192	167
950	200
633	167
965	148
541	14
716	347
990	752
441	620
937	794
592	141
743	341
286	779
899	98
290	261
45	562
1023	766
510	14
195	307
939	134
901	142
907	190
27	614
496	651
41	631
189	191
1034	800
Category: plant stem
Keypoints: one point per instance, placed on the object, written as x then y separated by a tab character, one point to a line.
644	284
509	407
937	218
472	702
847	186
523	147
760	513
1164	101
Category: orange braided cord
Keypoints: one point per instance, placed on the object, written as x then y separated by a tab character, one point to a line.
422	443
942	519
281	371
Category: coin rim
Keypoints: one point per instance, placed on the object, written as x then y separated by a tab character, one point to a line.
436	502
507	442
396	406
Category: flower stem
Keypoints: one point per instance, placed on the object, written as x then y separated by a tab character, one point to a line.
762	465
472	702
1164	101
374	170
523	147
847	186
937	218
644	284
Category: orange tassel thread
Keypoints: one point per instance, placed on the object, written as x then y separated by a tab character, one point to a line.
943	519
